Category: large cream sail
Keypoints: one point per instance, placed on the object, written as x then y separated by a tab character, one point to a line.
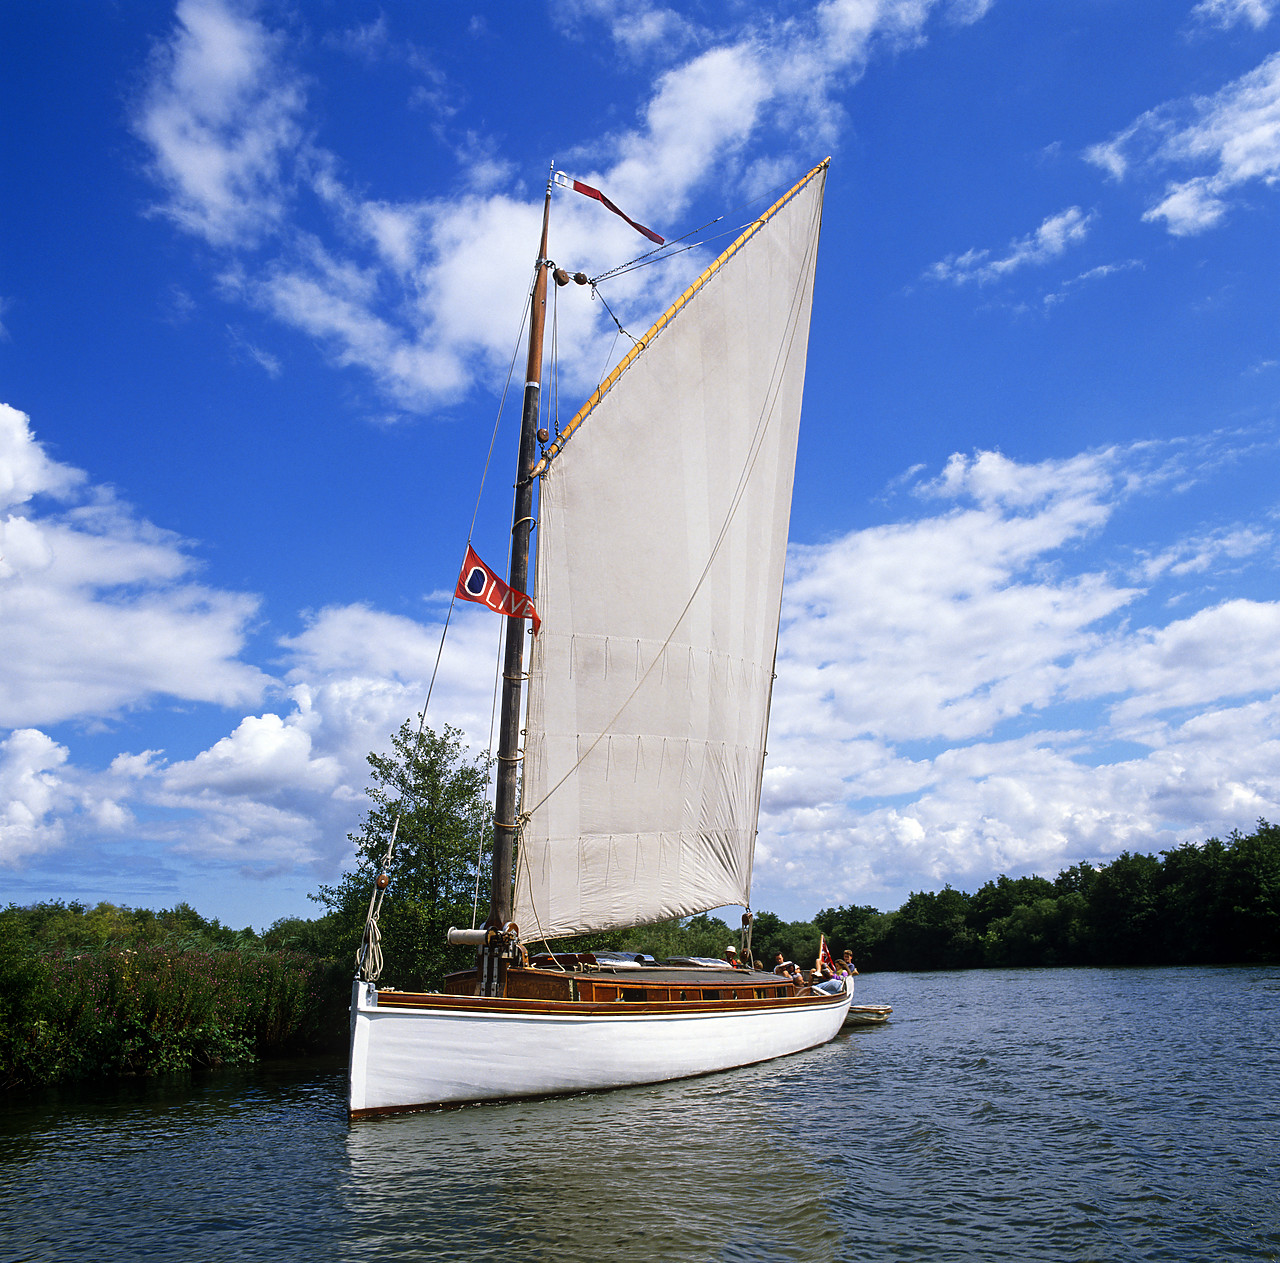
661	545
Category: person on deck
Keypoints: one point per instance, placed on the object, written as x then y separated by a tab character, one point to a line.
788	969
847	963
731	955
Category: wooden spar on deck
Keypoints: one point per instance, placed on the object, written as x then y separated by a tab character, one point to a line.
508	781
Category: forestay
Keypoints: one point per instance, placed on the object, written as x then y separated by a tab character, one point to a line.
661	544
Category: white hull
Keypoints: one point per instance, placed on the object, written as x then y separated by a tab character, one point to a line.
415	1058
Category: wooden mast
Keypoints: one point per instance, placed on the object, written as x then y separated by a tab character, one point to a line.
508	787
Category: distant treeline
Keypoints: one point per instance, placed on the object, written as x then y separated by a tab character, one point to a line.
1212	904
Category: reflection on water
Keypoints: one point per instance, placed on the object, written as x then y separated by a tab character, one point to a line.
1020	1115
236	1165
698	1170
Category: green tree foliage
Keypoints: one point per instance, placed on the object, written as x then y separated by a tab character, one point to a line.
796	940
700	935
57	926
89	993
439	794
931	931
1217	903
862	930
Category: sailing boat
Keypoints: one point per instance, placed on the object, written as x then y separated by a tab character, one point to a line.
663	510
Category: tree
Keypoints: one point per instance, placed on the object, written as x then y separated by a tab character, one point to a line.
930	931
439	795
1251	888
860	929
1122	911
796	940
998	899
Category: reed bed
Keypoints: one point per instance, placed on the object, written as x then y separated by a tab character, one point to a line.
154	1010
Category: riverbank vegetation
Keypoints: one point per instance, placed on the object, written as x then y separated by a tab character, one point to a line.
108	991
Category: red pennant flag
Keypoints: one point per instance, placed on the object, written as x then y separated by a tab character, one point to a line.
478	583
824	954
568	182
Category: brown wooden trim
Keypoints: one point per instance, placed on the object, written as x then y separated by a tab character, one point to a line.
582	1008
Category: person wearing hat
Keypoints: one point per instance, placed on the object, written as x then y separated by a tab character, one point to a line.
731	955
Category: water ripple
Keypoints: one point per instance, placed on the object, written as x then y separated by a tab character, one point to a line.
1021	1115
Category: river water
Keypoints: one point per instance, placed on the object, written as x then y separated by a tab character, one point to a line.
1019	1114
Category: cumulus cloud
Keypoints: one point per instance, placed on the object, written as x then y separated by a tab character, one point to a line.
284	787
1048	242
30	792
981	685
1230	141
102	614
958	696
407	291
101	608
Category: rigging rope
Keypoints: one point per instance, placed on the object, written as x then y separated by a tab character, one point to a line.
369	959
665	251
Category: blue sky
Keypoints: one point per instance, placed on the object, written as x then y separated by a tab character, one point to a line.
261	272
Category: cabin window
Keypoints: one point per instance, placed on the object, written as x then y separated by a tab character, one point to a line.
633	993
711	995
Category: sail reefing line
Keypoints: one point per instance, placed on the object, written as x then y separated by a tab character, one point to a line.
554	449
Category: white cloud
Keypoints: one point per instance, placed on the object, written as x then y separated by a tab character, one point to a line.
100	609
1233	137
1048	242
638	27
25	468
264	755
282	790
30	792
1098	273
423	295
960	693
221	119
1225	13
958	696
1218	654
1197	555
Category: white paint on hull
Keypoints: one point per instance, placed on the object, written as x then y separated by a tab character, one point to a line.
402	1058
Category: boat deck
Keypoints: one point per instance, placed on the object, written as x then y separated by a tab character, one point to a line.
609	984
